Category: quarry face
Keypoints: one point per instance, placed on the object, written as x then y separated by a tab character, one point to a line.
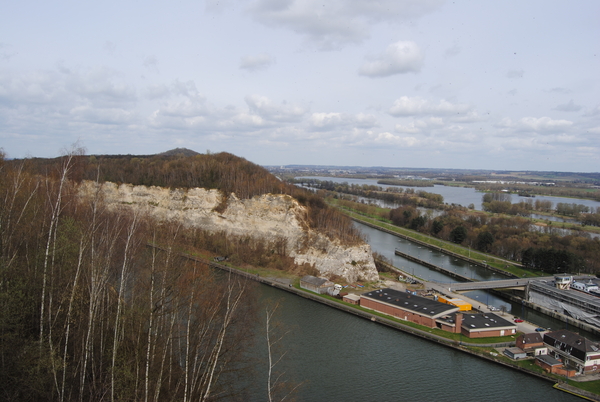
267	216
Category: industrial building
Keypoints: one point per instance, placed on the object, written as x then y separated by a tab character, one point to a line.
406	306
435	314
314	284
485	325
560	297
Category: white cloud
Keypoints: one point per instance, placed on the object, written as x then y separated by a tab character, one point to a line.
111	116
265	108
399	58
324	121
337	22
544	124
364	120
258	62
406	106
387	138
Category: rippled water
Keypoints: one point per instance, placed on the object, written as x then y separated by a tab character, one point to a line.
340	357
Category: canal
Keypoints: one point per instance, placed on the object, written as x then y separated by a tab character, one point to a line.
385	243
337	356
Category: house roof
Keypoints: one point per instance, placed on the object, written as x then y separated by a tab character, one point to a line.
485	321
534	337
549	360
575	344
416	304
313	280
515	351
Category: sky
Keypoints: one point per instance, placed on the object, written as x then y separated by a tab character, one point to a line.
510	85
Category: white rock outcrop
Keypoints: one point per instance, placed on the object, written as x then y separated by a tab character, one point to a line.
267	216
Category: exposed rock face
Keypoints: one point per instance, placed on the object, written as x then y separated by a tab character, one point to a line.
268	216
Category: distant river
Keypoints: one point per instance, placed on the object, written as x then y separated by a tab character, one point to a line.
458	195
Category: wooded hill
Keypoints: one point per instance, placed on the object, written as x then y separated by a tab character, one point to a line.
89	311
182	168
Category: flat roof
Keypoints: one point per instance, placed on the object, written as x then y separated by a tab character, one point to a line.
409	302
313	280
473	322
549	360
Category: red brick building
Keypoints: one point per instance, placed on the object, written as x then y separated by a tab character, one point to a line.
406	306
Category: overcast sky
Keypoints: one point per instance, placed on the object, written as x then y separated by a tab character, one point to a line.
417	83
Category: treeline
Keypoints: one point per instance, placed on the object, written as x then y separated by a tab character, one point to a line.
406	183
560	190
500	202
89	311
510	237
396	195
222	171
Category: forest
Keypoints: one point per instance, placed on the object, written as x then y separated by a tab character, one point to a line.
97	304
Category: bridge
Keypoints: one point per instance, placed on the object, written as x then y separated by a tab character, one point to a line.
519	283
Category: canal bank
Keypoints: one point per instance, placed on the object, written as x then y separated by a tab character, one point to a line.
443	250
462	346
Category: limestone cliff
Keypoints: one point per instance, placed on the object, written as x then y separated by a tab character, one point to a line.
268	216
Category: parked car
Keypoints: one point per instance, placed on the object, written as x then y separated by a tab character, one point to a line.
518	320
539	330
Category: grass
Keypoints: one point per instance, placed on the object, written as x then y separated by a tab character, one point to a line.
590	386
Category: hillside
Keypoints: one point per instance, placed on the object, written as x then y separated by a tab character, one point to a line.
89	311
326	240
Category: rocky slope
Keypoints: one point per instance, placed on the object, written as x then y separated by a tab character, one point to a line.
268	216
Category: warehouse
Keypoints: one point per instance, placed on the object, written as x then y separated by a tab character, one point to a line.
406	306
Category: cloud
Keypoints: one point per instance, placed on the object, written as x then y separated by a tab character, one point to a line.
268	110
568	107
399	58
593	112
387	138
336	23
420	125
515	74
254	63
544	124
109	116
329	121
406	106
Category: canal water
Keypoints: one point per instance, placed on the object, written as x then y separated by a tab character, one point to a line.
336	356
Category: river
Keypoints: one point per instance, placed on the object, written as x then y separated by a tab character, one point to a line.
459	195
